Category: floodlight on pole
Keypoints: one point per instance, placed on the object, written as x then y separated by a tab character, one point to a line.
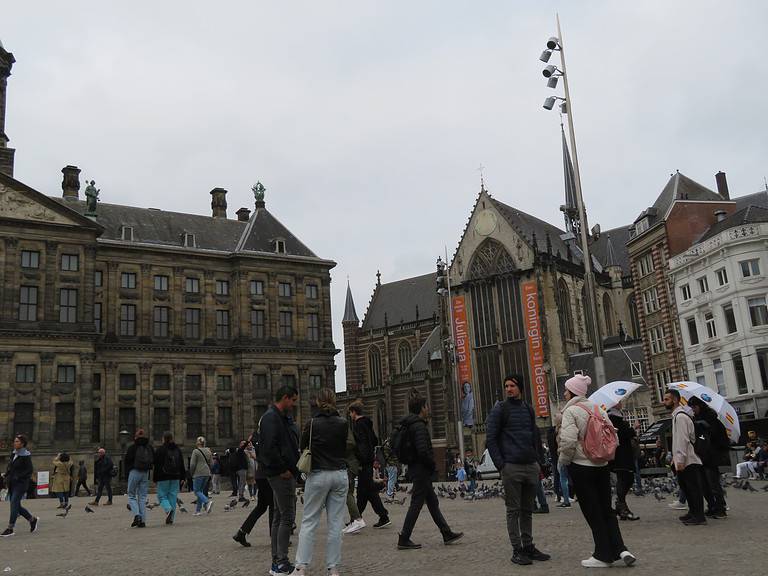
552	72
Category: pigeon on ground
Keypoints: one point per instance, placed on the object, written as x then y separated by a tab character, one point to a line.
233	503
64	514
183	510
89	509
179	501
248	503
748	486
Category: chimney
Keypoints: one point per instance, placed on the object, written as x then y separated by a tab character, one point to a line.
722	185
720	214
219	202
243	214
6	154
70	184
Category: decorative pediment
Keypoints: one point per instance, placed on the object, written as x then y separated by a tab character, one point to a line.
20	206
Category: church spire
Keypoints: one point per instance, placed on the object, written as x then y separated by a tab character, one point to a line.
570	208
349	308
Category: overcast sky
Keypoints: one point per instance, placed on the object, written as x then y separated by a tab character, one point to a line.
367	121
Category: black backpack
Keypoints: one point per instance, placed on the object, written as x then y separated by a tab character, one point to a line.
399	443
702	445
172	462
142	459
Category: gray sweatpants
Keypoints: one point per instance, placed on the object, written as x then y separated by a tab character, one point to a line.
520	481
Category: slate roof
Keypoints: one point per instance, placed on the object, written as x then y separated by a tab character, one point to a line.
165	228
617	238
679	187
399	300
748	215
431	348
756	199
529	225
350	315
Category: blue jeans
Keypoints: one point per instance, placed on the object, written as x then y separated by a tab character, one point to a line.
564	478
166	494
138	486
324	489
63	497
391	480
198	485
17	493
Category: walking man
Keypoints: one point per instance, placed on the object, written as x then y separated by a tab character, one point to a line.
17	478
685	461
716	456
418	455
102	475
82	478
514	443
138	462
366	442
278	455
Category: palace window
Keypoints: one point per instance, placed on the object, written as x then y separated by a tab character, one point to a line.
722	276
310	291
194	421
70	262
68	305
284	290
161	283
30	259
313	327
285	327
257	288
26	373
28	304
257	324
127	320
192	323
160	321
222	324
750	267
222	287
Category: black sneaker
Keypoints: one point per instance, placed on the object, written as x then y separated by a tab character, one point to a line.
7	532
535	554
451	537
693	521
240	539
136	521
284	568
33	524
169	517
684	517
141	525
407	544
382	523
521	558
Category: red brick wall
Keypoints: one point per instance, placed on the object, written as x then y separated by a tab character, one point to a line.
689	220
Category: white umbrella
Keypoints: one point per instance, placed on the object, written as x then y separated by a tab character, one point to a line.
612	393
720	405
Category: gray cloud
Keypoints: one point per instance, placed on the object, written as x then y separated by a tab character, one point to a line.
367	120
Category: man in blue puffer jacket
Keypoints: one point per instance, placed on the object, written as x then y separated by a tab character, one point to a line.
514	443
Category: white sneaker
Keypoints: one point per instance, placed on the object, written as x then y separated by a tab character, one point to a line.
209	507
355	526
677	505
593	562
627	559
197	514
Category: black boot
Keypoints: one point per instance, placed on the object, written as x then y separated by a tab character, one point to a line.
240	539
521	558
450	537
406	544
535	554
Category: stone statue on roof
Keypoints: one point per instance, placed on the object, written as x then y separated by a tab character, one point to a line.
258	191
91	197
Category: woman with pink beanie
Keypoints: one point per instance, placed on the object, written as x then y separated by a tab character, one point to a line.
591	480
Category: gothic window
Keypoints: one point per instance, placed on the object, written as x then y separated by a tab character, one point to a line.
608	315
633	319
564	309
374	367
403	356
489	260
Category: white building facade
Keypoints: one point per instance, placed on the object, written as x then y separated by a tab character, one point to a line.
721	287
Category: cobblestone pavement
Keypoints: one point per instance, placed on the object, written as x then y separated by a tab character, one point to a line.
102	544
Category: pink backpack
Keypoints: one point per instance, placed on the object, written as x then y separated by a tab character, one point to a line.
600	439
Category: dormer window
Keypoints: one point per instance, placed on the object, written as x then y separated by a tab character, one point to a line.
280	246
642	226
126	233
189	240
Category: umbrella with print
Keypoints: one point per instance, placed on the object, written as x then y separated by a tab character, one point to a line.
720	405
612	393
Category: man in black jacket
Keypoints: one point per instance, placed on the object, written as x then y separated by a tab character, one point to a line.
514	443
277	457
17	478
716	456
365	450
102	475
417	453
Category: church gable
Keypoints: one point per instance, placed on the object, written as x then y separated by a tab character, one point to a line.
20	202
489	244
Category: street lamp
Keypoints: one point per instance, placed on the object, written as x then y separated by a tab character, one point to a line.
124	435
555	44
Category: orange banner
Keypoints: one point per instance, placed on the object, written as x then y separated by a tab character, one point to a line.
535	348
461	335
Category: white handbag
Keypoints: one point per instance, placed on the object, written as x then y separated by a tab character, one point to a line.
305	460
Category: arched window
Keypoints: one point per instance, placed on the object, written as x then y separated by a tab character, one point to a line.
403	356
564	309
374	367
608	315
633	319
